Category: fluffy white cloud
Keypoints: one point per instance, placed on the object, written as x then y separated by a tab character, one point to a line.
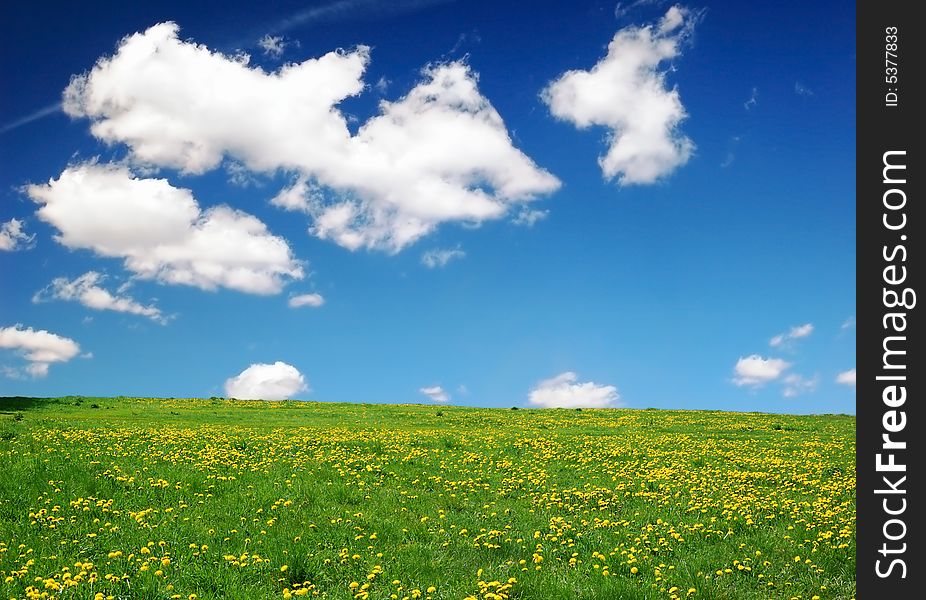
846	377
313	300
278	381
435	393
176	104
40	348
626	92
441	153
160	231
795	385
755	371
86	290
795	333
562	391
12	236
439	257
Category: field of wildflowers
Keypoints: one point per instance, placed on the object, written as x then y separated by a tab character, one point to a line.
211	499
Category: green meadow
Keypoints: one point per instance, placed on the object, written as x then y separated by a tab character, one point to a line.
222	499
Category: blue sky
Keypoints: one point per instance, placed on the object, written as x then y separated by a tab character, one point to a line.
528	219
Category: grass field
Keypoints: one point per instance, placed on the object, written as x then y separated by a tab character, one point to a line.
143	498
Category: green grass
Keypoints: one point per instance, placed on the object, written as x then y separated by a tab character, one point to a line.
460	500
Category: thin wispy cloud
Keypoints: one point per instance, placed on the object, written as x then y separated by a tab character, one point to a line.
753	99
14	237
45	111
730	156
439	257
310	300
381	85
328	12
796	385
272	45
341	10
795	333
623	9
528	217
465	39
240	176
88	291
802	90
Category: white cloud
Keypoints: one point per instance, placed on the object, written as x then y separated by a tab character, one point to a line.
439	257
801	331
755	371
85	289
272	45
528	217
160	231
795	385
151	95
12	236
626	92
795	333
313	300
439	154
848	323
301	196
278	381
562	391
40	348
846	377
436	393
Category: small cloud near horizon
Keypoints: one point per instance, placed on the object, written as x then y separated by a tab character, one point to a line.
564	391
436	393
